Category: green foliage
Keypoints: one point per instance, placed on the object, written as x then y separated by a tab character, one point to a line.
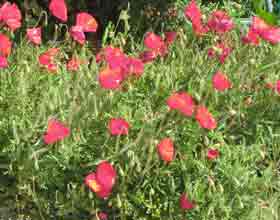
42	182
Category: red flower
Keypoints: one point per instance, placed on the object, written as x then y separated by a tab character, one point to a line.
95	186
34	35
110	78
193	13
153	41
5	45
182	102
115	58
103	180
251	38
135	66
271	35
148	56
278	86
212	154
185	203
118	126
3	62
59	9
220	22
170	37
258	25
78	34
87	22
205	118
56	131
10	15
47	59
106	175
166	149
102	216
220	82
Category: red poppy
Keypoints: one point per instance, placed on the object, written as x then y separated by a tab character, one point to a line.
212	154
110	78
258	25
96	187
3	62
47	59
205	118
78	34
10	15
102	216
153	41
251	38
220	81
87	22
56	131
5	45
148	56
103	181
118	126
185	203
170	37
59	9
271	35
182	102
166	149
220	22
277	86
106	175
115	58
193	13
135	66
34	35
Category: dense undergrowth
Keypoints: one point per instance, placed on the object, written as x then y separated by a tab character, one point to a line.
39	181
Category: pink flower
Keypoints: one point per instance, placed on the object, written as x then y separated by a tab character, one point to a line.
102	216
213	154
251	38
220	81
59	9
220	22
56	131
10	15
185	203
205	118
271	35
166	149
277	86
3	62
110	78
103	181
182	102
87	22
34	35
170	37
135	66
193	13
5	45
118	126
78	34
148	56
46	59
153	41
106	175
